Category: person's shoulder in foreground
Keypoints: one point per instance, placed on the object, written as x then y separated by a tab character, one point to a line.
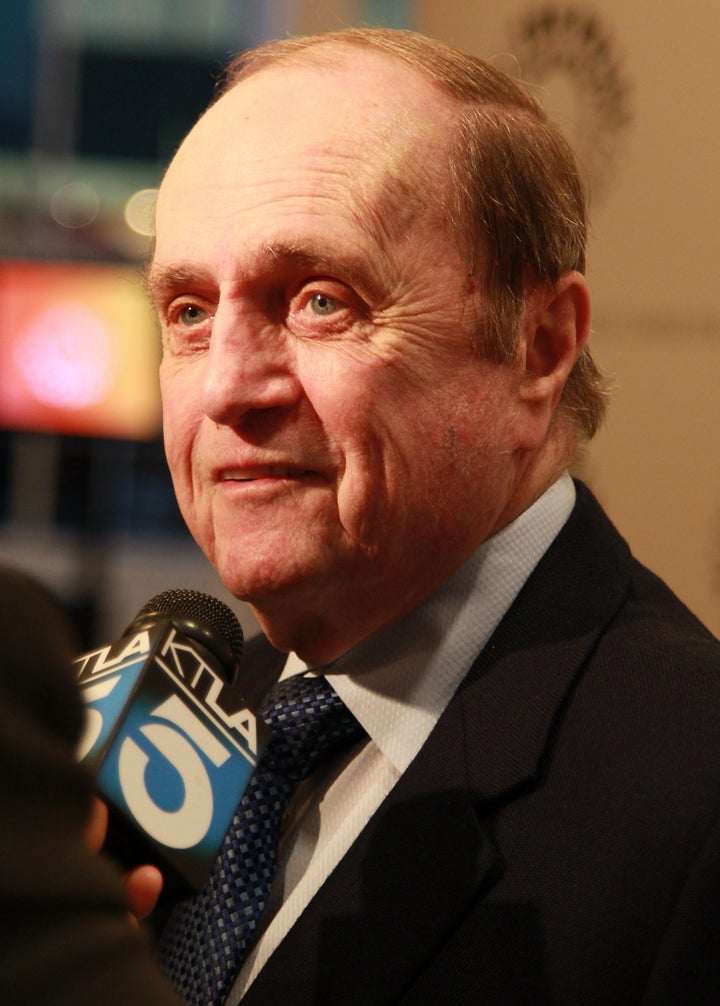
66	936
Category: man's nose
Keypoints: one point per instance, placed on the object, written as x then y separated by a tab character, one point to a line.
250	366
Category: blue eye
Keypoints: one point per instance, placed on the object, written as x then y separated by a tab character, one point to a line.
191	315
322	304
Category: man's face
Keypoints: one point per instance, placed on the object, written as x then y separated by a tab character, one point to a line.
337	446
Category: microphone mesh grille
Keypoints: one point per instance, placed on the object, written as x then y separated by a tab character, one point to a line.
203	608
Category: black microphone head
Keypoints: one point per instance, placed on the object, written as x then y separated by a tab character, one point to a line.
205	618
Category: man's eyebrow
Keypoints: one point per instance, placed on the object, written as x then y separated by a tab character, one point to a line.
355	268
304	255
159	280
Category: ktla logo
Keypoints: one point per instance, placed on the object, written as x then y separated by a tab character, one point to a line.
164	738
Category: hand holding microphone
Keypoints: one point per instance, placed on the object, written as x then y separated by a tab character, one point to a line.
169	737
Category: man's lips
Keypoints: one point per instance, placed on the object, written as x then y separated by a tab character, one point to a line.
254	473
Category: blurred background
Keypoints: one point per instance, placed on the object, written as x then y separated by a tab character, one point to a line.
94	99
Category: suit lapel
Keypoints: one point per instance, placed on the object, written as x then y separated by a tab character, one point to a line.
519	685
427	855
383	912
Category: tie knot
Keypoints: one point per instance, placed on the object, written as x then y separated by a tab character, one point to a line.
309	720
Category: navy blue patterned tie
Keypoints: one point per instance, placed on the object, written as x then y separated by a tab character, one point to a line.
208	938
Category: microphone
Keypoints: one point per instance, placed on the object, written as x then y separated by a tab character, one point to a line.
170	739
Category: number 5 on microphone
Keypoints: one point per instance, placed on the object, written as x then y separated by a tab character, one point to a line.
171	752
187	825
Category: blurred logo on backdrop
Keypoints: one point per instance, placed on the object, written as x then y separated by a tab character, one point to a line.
571	60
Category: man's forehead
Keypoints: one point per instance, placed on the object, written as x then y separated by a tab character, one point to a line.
308	130
357	95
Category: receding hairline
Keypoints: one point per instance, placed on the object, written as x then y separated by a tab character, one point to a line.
466	78
468	84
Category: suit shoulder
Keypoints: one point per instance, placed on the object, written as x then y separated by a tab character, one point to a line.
654	622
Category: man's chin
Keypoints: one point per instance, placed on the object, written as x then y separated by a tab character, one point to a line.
264	588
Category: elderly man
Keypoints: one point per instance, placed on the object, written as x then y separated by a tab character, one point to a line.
369	277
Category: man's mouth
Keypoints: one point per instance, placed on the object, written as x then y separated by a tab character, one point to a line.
263	472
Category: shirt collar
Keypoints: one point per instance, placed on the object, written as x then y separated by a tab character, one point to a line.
398	682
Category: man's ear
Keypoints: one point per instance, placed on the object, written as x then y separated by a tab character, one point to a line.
553	333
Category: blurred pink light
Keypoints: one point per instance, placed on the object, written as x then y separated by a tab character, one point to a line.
66	357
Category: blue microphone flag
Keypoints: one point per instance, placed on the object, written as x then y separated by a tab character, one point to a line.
170	740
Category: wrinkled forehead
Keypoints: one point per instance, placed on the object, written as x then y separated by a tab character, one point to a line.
368	126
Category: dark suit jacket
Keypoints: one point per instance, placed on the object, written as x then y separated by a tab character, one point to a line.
556	840
65	939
